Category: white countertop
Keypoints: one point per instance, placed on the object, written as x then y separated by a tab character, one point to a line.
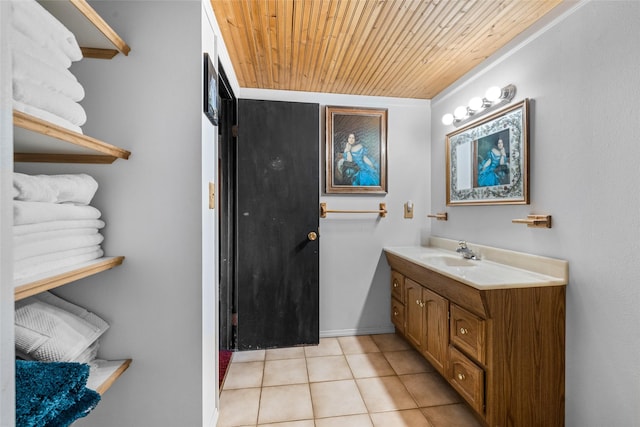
514	269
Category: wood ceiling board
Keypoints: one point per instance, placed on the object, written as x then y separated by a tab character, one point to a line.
395	48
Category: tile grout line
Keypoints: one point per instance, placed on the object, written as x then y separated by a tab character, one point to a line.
313	409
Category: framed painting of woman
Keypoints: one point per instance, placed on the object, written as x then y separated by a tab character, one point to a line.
356	150
488	160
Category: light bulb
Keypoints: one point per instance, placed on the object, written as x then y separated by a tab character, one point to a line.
460	112
447	119
493	93
476	104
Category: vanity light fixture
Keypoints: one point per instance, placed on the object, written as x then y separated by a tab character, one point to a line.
494	97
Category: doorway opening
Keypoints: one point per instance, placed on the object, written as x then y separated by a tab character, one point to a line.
227	154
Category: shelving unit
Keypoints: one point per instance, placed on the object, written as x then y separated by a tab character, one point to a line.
34	285
36	140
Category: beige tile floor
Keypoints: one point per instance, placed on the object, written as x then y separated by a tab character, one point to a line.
359	381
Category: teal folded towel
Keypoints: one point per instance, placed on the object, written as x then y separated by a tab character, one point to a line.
52	394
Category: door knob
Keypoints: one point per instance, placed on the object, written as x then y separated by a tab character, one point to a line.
312	235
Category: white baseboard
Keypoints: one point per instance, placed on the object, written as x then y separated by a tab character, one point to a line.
358	331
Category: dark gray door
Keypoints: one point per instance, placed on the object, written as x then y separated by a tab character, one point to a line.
277	196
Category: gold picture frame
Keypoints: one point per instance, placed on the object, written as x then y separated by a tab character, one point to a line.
356	150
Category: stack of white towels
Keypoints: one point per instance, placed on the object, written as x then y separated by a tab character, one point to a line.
54	226
42	50
51	329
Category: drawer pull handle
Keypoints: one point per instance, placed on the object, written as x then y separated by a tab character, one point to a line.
464	331
418	301
461	377
395	283
395	313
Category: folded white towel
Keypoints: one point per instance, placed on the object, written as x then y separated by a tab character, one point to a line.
73	188
69	307
32	189
39	227
50	235
68	330
67	335
40	264
33	20
48	100
86	356
54	57
46	116
32	212
55	245
29	68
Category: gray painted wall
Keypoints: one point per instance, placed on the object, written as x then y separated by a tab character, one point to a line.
582	77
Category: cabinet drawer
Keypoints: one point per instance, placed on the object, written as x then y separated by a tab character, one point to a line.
397	314
467	378
397	286
467	332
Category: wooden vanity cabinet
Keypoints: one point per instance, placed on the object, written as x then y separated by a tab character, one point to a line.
426	323
501	349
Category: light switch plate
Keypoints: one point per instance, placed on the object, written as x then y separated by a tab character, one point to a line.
408	210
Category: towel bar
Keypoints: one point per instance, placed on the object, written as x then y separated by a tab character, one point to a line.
439	216
537	221
324	211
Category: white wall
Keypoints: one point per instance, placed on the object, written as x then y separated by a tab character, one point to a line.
354	275
209	238
582	77
151	103
7	356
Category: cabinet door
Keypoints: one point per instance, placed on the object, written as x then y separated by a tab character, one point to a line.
436	311
413	313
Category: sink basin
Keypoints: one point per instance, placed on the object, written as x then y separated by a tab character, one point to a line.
448	260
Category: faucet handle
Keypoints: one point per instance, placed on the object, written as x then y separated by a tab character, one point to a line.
462	244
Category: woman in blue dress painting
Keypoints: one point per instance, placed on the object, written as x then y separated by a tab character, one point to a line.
491	171
357	166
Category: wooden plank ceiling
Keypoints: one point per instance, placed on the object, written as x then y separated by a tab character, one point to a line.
397	48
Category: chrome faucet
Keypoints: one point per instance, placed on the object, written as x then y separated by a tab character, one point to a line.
465	251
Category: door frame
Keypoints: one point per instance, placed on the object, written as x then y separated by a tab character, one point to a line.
227	167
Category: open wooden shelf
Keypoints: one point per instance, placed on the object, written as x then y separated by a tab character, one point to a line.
96	38
35	285
106	373
36	140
